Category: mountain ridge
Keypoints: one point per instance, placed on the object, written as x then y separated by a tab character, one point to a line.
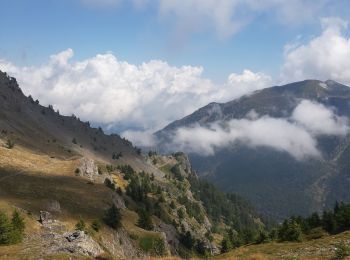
230	167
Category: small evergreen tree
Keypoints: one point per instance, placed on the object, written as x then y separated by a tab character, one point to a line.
96	225
80	225
187	240
226	245
18	226
113	217
145	220
5	229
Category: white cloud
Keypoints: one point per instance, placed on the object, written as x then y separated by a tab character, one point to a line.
225	17
324	57
319	119
278	134
296	135
115	93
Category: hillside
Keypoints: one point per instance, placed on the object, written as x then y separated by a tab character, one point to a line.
323	248
272	177
63	172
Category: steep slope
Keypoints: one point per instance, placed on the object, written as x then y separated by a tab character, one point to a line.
60	165
272	179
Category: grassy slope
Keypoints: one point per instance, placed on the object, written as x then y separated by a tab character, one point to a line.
323	248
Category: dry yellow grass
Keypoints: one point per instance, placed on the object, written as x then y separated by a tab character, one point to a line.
119	181
129	222
21	159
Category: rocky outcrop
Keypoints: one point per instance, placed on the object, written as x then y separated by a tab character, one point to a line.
45	218
88	168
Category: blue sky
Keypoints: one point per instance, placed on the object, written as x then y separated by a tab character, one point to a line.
137	54
33	30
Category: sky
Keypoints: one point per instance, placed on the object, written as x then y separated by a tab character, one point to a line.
133	66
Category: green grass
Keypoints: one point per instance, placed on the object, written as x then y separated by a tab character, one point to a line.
323	248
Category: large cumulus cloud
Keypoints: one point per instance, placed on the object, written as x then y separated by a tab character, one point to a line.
115	93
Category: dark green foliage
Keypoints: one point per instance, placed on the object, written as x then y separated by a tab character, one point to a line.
145	220
263	237
177	173
153	245
11	232
181	213
109	184
235	211
313	227
342	251
187	240
80	225
139	186
127	170
172	205
226	245
290	231
152	153
113	217
96	225
119	191
5	229
110	168
116	156
9	144
18	226
201	248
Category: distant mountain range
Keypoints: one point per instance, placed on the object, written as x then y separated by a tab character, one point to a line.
281	179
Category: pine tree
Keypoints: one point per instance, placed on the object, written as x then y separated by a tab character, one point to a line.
225	245
145	220
113	217
5	229
18	226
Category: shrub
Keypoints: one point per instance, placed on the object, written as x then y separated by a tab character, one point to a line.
342	251
74	141
96	225
109	184
9	144
153	245
80	225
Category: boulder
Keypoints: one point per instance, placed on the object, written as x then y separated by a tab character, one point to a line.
45	218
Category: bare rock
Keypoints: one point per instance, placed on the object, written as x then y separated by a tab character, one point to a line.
88	168
46	218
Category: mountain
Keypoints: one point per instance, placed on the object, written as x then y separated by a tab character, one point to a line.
278	180
84	194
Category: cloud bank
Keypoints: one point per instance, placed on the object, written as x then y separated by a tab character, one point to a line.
324	57
296	135
115	93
